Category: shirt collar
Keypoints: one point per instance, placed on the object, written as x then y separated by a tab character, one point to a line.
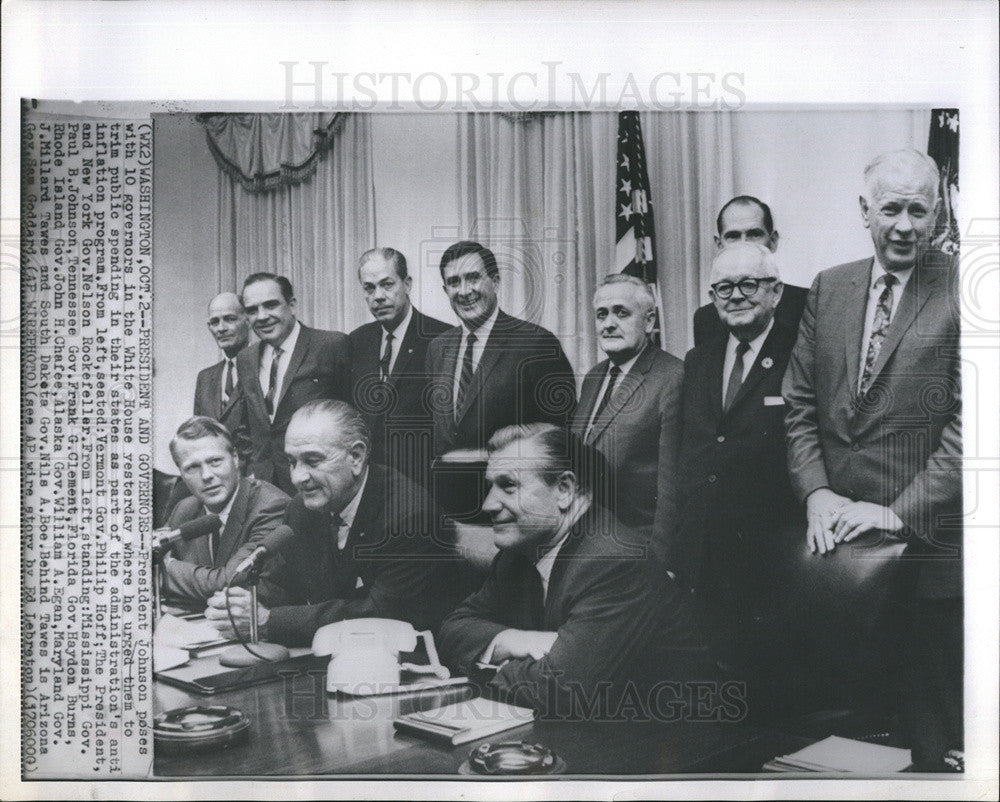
902	276
289	344
347	514
626	366
399	332
756	343
483	332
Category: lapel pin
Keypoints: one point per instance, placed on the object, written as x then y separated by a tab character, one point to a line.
767	362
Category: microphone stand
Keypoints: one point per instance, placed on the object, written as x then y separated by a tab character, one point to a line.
256	651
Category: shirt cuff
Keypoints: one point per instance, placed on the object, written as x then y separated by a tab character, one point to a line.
487	656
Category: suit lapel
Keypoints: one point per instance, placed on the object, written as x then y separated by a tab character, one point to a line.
449	353
491	355
230	534
625	390
251	383
758	370
715	360
588	396
225	408
405	353
853	308
918	290
301	346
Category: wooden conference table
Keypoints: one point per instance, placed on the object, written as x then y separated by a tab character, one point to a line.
298	729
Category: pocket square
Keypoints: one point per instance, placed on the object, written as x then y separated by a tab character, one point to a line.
773	401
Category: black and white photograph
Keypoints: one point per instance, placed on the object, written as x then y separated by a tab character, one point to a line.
543	424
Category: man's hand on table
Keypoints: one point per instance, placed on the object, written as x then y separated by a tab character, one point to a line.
239	606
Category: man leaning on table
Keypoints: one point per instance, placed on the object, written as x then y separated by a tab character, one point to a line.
567	612
367	541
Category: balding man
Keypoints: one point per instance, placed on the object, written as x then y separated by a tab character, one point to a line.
216	392
747	219
630	404
874	431
734	492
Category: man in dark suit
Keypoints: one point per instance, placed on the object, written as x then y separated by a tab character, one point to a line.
366	542
567	611
388	366
249	508
874	431
734	496
748	219
291	365
630	404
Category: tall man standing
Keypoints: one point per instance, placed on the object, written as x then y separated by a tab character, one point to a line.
874	430
734	495
215	394
291	365
387	366
630	404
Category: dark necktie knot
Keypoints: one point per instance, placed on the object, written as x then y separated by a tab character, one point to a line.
272	384
742	347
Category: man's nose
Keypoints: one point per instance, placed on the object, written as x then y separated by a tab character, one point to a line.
490	504
297	474
904	223
207	472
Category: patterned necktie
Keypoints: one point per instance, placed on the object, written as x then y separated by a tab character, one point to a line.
227	390
735	375
880	325
605	398
465	377
272	383
383	365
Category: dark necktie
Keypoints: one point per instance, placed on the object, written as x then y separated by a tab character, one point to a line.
880	325
735	375
465	377
386	359
227	390
344	578
605	398
214	536
272	383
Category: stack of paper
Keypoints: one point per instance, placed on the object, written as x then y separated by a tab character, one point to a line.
844	756
467	721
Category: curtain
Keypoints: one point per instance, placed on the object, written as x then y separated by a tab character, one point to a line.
312	228
531	191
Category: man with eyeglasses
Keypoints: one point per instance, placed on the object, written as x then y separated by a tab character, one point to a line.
748	219
733	492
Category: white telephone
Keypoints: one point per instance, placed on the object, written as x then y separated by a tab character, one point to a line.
365	654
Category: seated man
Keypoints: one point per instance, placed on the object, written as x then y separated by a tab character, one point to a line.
366	538
250	510
567	611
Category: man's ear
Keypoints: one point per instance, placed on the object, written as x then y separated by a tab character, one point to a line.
650	322
408	283
566	485
772	241
292	303
718	241
358	452
864	209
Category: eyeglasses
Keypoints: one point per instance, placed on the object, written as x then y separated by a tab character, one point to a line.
748	287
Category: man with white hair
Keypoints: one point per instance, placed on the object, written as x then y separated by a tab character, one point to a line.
733	494
874	433
630	404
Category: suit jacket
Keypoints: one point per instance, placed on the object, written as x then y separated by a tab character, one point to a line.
639	434
613	625
208	402
733	493
397	407
320	367
258	509
707	325
523	376
901	444
397	563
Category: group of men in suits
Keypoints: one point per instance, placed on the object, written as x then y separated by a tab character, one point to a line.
638	524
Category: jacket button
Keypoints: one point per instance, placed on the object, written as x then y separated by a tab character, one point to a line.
711	478
855	447
721	438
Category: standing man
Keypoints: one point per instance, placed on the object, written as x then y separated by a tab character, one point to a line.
387	366
291	365
630	404
748	219
566	613
250	510
493	370
366	538
874	431
734	495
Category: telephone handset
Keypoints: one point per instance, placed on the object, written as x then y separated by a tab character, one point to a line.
365	654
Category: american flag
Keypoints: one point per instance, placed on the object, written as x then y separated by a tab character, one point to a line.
942	146
634	211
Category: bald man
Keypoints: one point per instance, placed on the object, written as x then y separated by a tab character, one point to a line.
216	394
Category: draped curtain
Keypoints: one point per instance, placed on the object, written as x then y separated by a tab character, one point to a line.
296	197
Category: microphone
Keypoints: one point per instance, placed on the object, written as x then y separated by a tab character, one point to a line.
204	525
272	543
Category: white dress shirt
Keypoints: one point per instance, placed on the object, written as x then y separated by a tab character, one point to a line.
347	514
753	351
397	337
482	335
875	288
223	516
287	347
